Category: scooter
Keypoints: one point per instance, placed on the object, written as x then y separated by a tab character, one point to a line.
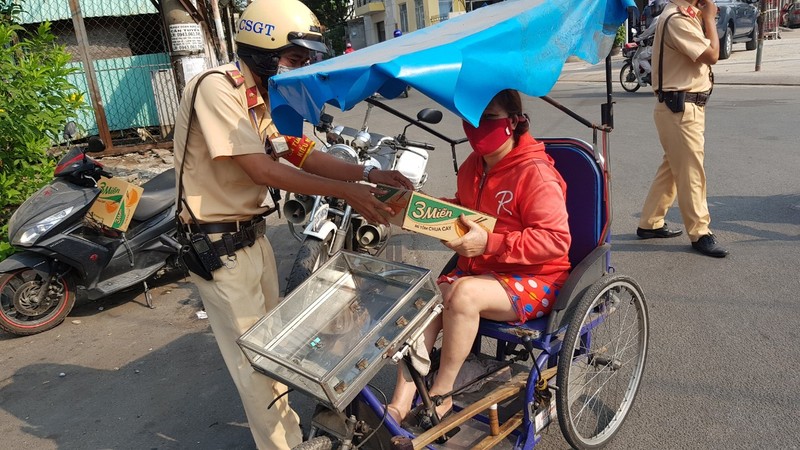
61	252
636	71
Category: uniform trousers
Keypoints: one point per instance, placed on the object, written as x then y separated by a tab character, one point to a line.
681	172
234	301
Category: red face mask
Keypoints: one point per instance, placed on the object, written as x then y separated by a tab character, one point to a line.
489	136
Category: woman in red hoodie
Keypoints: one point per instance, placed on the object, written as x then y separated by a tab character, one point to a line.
512	274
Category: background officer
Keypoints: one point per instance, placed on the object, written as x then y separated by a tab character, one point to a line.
687	34
222	128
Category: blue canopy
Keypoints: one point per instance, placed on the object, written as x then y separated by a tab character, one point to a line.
460	63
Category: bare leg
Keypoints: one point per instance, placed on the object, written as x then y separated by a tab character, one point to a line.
469	299
405	389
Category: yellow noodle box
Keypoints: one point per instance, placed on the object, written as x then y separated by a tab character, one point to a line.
115	205
428	215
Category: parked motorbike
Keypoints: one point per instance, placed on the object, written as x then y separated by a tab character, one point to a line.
635	72
60	252
329	224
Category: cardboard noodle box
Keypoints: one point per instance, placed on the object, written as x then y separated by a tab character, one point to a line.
115	205
428	215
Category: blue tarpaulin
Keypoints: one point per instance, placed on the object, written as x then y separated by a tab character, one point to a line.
460	63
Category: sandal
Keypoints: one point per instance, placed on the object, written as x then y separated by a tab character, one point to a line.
426	423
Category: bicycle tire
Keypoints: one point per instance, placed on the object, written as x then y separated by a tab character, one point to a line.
594	395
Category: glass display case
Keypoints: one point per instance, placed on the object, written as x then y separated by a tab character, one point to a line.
331	335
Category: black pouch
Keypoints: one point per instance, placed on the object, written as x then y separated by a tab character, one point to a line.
675	101
198	254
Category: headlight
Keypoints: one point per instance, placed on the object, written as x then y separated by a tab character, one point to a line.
362	140
343	152
33	232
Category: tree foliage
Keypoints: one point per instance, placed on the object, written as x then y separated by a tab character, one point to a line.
333	14
36	101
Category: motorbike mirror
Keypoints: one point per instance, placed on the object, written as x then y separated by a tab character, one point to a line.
70	130
429	115
325	122
96	145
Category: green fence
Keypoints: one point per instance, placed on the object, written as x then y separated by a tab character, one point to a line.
125	42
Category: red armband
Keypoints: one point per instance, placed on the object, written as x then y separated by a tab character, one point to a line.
293	149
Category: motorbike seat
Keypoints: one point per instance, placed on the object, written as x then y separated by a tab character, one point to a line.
158	195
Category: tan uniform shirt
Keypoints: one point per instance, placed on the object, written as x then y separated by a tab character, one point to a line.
228	121
684	42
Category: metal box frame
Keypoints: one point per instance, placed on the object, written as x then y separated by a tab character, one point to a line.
331	335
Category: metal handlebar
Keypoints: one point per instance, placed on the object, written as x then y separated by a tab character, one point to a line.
422	145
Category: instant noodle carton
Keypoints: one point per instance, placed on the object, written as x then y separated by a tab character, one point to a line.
397	199
428	215
115	205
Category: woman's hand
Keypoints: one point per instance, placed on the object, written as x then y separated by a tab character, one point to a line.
471	244
390	178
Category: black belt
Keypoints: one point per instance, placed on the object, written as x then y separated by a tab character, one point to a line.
223	227
698	98
235	235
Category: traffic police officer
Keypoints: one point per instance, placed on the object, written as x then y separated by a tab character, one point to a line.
687	34
222	129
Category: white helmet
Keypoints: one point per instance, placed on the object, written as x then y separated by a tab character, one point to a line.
268	26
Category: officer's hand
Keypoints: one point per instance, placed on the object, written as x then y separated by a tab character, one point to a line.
390	178
361	198
709	8
473	243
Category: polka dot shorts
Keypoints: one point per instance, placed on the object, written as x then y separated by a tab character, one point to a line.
530	296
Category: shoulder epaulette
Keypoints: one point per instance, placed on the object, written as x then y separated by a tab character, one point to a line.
235	77
688	11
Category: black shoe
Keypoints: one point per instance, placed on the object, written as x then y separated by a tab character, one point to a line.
662	232
709	246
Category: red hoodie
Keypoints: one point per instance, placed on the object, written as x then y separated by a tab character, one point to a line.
528	197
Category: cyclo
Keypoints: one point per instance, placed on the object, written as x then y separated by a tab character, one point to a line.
582	364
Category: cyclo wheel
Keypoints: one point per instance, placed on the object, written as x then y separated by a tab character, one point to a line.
601	362
317	443
628	79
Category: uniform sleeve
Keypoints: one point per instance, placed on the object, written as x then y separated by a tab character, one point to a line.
686	37
546	233
224	119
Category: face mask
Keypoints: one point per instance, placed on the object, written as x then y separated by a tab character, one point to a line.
283	69
489	136
263	65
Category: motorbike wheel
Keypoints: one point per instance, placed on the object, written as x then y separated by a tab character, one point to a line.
312	254
317	443
627	78
22	313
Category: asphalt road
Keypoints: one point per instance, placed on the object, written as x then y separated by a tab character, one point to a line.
723	369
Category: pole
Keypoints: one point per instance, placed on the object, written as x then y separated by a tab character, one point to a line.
91	77
186	41
762	10
223	47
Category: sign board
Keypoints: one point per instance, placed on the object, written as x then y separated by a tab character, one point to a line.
186	37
